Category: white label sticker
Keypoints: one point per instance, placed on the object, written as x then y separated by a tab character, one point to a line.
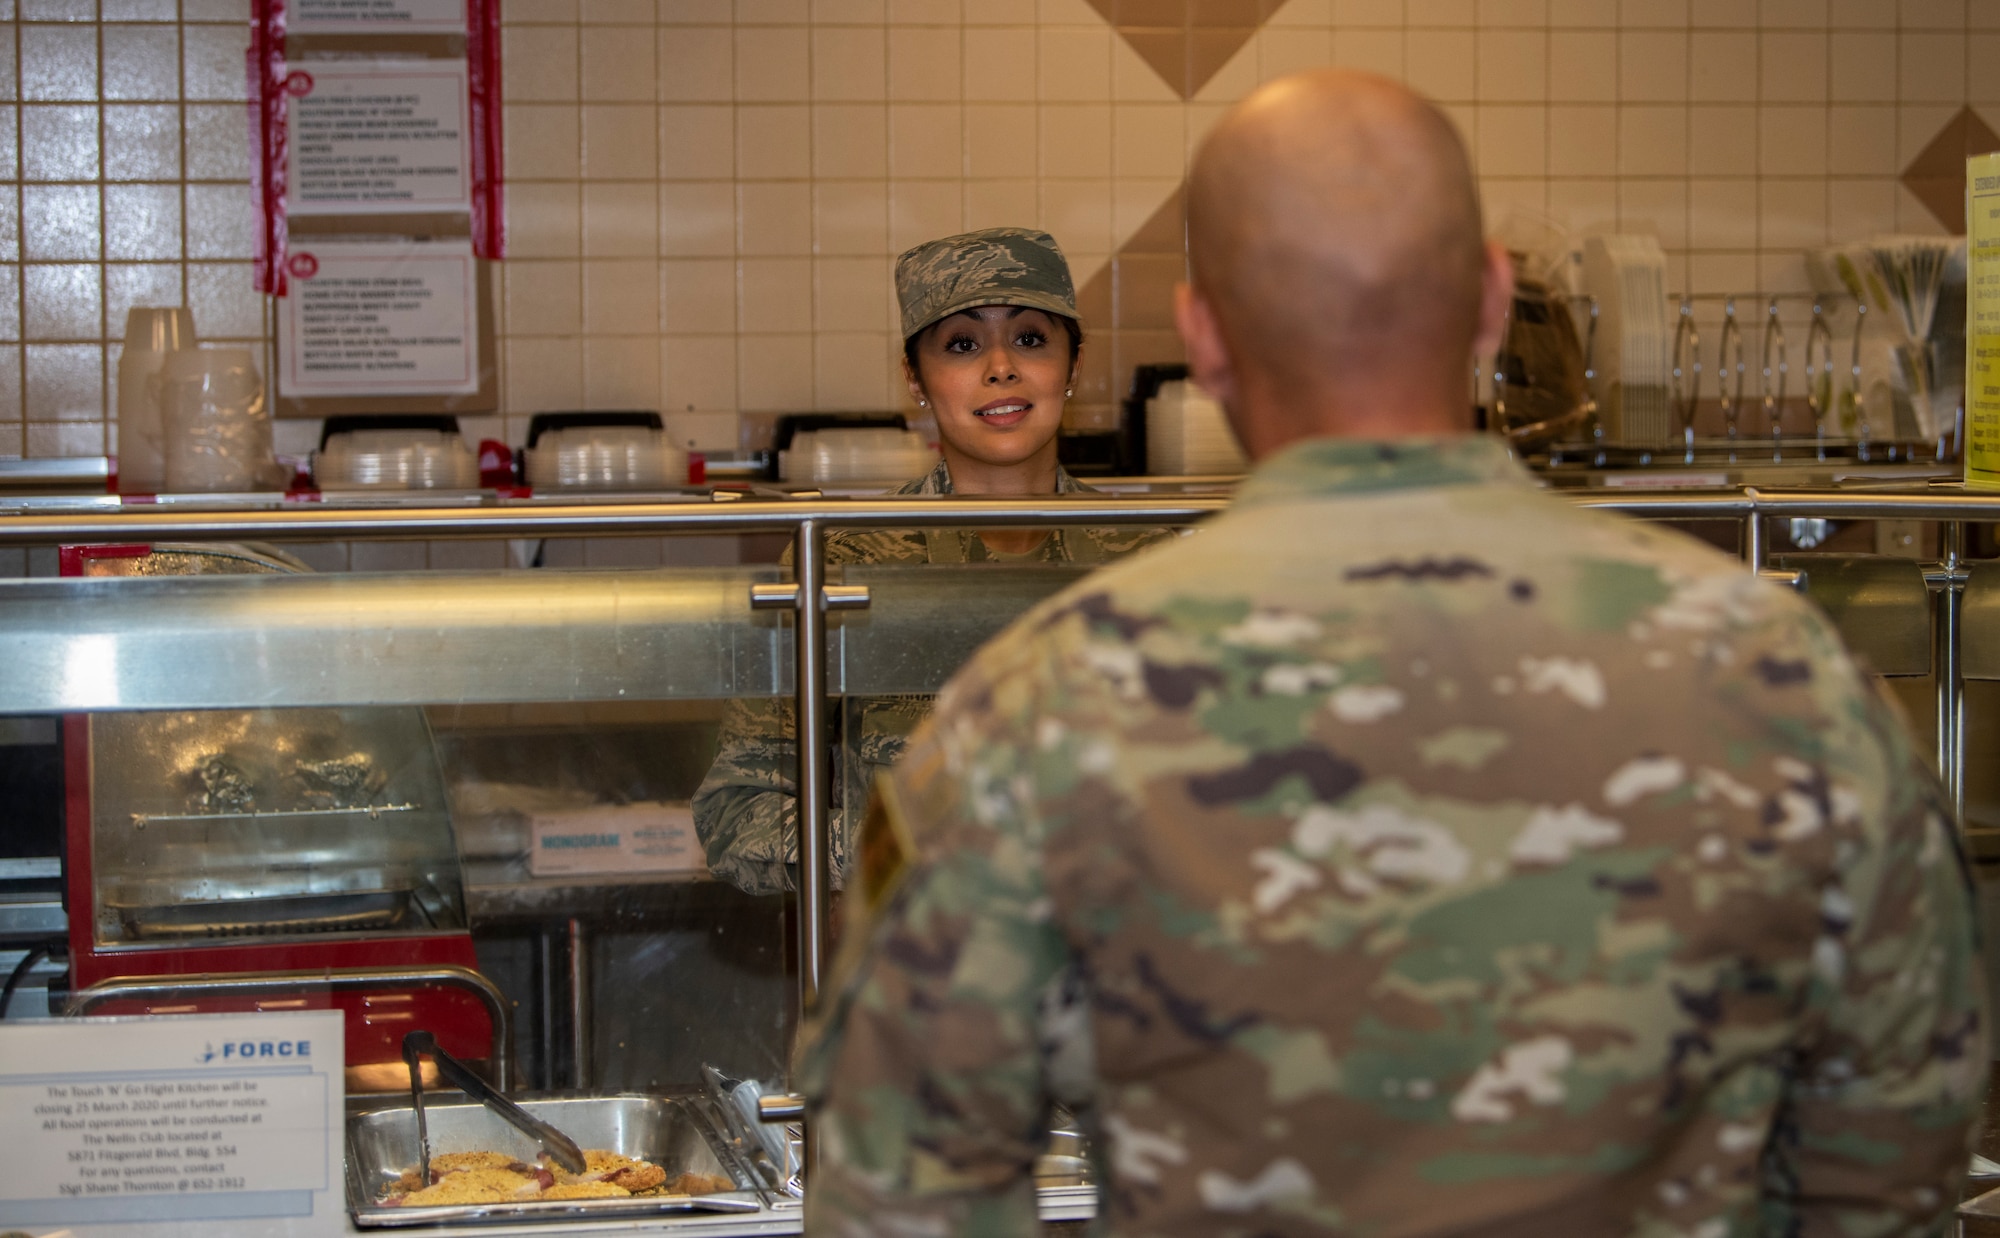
376	17
616	838
378	137
174	1124
371	318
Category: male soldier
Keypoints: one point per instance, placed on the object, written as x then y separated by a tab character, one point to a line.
1409	853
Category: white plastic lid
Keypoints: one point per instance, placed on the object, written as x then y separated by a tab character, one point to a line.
605	458
396	460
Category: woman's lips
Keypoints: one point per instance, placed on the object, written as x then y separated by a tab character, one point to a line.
1003	412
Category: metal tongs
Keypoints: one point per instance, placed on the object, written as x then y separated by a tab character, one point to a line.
560	1147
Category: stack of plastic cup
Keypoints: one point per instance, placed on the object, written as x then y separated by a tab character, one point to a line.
152	334
218	430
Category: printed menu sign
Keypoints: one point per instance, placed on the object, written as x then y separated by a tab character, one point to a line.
171	1125
376	17
376	137
374	318
1982	327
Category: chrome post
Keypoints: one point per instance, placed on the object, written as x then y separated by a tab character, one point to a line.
1754	553
579	1004
815	842
815	776
815	767
1949	664
547	1023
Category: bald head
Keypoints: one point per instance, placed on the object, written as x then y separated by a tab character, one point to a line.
1338	255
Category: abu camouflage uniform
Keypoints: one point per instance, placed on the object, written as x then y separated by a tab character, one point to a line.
993	266
746	811
1419	855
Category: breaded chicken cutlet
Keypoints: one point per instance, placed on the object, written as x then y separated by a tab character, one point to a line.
493	1177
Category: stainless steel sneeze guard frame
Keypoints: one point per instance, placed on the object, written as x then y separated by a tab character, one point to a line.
434	638
422	639
88	645
321	523
284	984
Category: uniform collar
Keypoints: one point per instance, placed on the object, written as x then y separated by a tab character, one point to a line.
1364	466
938	481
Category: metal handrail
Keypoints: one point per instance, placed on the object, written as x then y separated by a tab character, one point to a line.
1938	505
315	524
319	524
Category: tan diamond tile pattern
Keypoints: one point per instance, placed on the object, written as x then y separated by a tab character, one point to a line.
1186	41
1937	175
1130	303
1130	299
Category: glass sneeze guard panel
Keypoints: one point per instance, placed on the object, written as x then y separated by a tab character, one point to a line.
221	824
276	768
923	622
389	639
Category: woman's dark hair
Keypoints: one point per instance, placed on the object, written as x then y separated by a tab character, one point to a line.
1069	324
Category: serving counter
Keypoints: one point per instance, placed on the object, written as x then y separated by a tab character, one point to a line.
542	696
198	711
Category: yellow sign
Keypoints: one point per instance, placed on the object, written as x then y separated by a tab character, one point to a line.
1982	325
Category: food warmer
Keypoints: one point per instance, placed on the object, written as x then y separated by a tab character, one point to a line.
218	856
243	846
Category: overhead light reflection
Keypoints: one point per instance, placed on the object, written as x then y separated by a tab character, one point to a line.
90	672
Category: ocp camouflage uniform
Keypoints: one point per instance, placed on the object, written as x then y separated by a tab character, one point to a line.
746	811
1409	853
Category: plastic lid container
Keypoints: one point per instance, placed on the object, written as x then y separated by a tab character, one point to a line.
605	457
395	459
843	457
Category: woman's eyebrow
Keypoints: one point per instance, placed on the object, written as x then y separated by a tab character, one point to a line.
972	312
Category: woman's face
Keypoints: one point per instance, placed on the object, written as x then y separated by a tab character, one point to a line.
996	376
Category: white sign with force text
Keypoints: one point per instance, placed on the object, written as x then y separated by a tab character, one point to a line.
378	137
379	318
174	1125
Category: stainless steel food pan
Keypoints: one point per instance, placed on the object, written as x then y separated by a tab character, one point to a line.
670	1131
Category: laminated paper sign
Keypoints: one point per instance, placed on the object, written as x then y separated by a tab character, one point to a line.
379	137
375	108
174	1126
615	838
1982	327
380	318
376	17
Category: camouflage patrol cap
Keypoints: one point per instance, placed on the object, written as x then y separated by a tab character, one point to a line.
994	266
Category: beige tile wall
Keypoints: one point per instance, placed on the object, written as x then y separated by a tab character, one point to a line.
123	162
706	195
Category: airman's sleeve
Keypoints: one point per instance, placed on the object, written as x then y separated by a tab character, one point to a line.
746	811
925	1067
1876	1135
